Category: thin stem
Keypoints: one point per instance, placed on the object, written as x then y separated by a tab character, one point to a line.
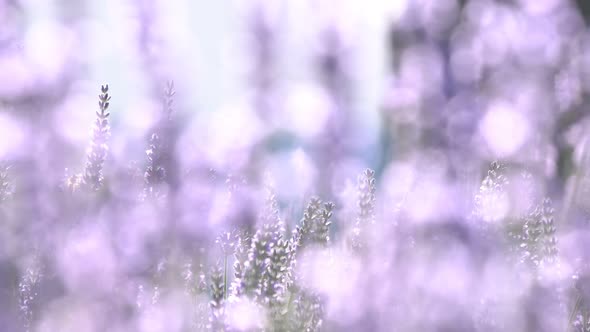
572	191
574	311
225	277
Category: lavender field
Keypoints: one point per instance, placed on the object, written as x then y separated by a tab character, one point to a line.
294	165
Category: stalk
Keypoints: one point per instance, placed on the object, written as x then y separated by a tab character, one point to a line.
572	191
574	311
225	276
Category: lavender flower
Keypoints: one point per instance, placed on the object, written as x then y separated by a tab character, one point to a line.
168	100
196	286
276	271
307	312
366	189
243	243
538	240
263	273
155	172
251	281
313	228
320	232
73	182
159	145
366	198
217	288
6	189
491	198
301	234
97	152
227	242
28	292
269	217
581	322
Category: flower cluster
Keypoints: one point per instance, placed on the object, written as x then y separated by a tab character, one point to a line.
538	240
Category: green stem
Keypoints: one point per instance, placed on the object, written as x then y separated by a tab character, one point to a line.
574	311
225	277
572	191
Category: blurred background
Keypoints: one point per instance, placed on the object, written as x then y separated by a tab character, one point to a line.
302	94
342	84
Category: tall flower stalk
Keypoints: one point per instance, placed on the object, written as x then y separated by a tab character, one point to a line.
6	189
250	282
491	198
302	231
314	227
227	242
97	152
305	307
366	189
243	244
261	276
538	237
159	145
491	202
28	292
155	172
217	290
307	313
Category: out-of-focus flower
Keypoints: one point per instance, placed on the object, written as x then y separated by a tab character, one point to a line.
491	203
6	187
499	120
365	219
